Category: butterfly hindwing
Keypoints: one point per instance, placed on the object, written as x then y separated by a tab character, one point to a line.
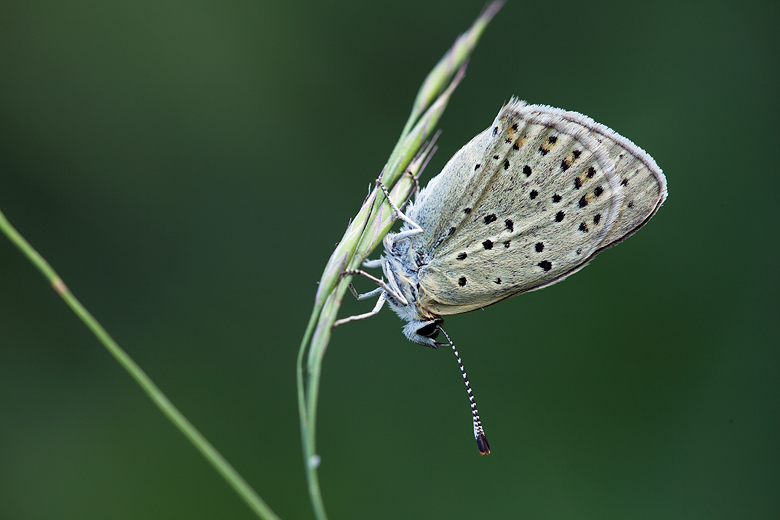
526	203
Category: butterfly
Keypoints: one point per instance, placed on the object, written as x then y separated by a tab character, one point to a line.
526	203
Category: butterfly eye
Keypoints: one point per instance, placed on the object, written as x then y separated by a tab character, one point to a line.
431	330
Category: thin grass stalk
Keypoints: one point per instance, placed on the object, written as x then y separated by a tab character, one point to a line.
366	231
222	466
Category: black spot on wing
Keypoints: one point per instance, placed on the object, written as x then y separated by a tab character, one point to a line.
569	159
545	148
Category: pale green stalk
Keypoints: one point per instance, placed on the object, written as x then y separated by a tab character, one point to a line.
366	231
222	466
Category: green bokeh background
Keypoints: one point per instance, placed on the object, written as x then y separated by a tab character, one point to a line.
187	167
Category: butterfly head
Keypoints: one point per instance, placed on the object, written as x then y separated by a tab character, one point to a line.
424	332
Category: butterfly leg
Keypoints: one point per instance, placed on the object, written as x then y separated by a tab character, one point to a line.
372	263
379	303
391	288
415	227
364	296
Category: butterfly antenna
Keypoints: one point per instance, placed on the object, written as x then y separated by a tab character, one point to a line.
479	434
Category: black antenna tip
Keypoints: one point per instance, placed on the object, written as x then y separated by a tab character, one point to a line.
482	444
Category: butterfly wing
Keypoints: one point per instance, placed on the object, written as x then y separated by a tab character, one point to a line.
526	203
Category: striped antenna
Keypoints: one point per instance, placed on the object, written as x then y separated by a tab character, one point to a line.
479	434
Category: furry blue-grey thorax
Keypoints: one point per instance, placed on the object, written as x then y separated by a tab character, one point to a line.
403	265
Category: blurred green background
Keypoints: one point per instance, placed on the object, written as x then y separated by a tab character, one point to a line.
187	167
